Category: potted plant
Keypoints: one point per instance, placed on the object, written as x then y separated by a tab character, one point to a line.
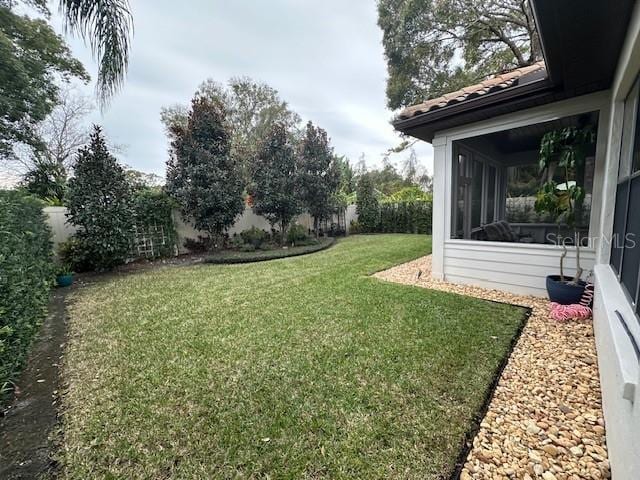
565	149
64	275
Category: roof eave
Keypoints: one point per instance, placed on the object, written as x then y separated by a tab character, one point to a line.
487	100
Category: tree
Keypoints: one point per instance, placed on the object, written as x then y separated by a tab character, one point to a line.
252	109
347	175
99	204
415	173
318	173
275	186
201	174
47	181
106	25
140	180
437	47
387	180
33	57
367	206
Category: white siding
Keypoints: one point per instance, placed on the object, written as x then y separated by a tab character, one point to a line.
512	267
617	362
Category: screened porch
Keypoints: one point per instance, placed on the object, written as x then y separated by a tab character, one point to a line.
495	180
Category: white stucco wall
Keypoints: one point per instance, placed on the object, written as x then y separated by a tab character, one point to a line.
618	363
61	230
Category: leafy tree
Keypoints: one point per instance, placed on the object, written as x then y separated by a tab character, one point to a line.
252	109
318	174
143	180
33	57
99	203
409	194
347	175
367	204
275	186
47	180
106	25
387	180
201	175
436	47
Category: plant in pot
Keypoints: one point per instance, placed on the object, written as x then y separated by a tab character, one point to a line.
565	151
64	275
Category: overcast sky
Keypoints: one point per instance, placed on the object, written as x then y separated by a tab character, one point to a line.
324	58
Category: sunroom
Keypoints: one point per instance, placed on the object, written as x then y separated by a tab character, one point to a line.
487	230
487	139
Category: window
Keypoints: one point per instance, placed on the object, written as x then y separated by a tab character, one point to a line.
474	193
496	178
625	243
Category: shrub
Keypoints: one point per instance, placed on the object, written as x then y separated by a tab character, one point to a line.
255	237
73	254
26	273
296	234
199	245
99	204
367	205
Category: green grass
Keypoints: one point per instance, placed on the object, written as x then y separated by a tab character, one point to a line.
298	368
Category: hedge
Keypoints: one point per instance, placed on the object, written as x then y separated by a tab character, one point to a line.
401	217
26	275
228	257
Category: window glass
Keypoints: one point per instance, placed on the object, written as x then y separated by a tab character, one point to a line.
629	133
631	256
619	221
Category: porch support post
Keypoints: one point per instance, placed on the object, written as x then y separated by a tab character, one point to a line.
440	205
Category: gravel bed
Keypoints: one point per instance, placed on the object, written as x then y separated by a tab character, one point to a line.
545	417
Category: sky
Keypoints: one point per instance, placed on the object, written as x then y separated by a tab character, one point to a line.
324	58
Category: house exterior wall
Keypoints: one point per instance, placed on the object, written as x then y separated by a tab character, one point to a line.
512	267
521	268
618	363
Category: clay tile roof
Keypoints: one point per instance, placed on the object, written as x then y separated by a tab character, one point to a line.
493	84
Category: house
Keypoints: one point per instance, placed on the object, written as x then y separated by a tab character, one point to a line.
486	141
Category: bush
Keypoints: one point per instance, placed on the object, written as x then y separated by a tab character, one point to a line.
355	227
296	234
199	245
26	274
400	217
99	203
72	253
255	237
230	256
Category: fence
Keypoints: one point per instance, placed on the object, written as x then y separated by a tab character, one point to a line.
56	218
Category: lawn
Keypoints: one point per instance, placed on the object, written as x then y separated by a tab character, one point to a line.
298	368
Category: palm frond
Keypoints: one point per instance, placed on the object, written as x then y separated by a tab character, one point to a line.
107	25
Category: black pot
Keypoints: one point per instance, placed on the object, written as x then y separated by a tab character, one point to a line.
562	292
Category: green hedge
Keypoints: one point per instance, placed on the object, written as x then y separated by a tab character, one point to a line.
400	217
26	275
231	256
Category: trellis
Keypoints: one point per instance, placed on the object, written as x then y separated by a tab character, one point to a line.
151	242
